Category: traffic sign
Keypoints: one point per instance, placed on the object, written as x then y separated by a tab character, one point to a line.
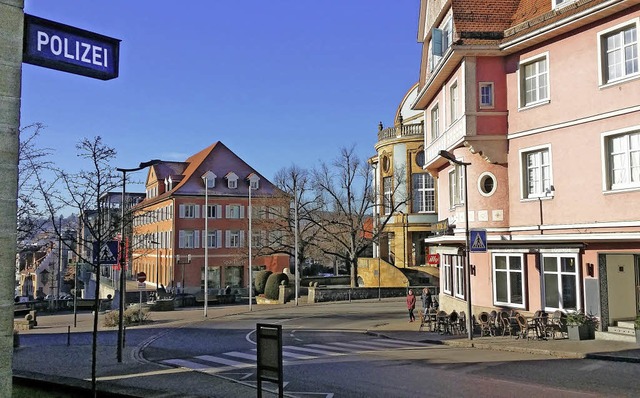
478	240
433	259
141	276
107	254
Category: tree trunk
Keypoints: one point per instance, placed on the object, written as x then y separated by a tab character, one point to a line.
11	34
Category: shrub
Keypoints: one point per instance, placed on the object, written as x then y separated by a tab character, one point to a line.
260	280
132	315
272	288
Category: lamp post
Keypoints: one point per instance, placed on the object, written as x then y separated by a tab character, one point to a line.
206	243
295	226
377	226
467	276
123	259
250	260
183	263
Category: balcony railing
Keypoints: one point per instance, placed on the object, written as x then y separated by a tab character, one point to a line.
451	135
401	131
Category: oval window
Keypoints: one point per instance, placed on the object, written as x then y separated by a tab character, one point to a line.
420	158
487	184
386	163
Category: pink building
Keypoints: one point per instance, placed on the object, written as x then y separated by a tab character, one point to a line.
542	99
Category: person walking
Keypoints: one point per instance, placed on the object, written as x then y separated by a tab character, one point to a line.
427	300
411	305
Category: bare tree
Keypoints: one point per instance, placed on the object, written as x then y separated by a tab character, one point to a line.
295	184
82	191
32	162
345	192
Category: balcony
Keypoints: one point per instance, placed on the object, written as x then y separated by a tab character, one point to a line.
408	130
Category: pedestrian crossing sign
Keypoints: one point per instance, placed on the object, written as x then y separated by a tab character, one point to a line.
107	254
478	240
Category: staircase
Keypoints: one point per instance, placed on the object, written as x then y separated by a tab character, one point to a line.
623	331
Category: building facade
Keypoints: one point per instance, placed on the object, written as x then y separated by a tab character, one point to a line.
540	99
169	239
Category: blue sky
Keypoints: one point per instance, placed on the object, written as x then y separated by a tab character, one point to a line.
279	82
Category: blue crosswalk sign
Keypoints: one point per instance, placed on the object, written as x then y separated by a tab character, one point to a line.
478	240
108	253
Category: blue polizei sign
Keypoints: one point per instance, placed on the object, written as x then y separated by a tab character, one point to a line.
66	48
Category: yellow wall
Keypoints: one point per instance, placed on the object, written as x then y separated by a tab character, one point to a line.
622	299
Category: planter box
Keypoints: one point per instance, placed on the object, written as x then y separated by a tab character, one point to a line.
582	332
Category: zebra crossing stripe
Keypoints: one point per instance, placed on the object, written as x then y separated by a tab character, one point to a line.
321	352
297	356
223	361
186	364
327	347
243	355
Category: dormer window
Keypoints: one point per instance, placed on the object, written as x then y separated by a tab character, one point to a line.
254	181
209	180
168	183
232	180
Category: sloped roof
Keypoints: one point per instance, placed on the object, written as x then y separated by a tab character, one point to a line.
216	158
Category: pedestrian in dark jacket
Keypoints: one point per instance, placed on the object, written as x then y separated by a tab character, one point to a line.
411	305
427	300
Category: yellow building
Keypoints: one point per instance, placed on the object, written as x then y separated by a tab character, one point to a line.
405	204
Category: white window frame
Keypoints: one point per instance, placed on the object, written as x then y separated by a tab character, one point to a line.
453	99
188	239
458	276
522	79
235	212
234	238
508	272
213	239
545	171
559	273
446	274
628	152
424	193
486	101
435	122
189	210
603	52
387	200
561	3
456	186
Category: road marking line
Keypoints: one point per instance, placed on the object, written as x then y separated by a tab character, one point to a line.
297	356
327	347
223	361
358	346
322	352
186	364
244	355
392	343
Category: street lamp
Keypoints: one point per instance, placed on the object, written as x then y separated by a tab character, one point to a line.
250	262
449	156
205	179
295	225
123	259
376	221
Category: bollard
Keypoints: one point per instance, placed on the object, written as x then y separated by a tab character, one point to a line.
68	336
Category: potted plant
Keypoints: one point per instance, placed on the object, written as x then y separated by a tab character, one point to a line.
636	326
581	326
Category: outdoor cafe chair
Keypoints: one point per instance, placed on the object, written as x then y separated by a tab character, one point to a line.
486	329
443	322
453	323
462	322
556	324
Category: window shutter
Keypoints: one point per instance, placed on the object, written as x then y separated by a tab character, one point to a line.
181	242
241	211
241	239
436	40
181	210
197	210
218	211
227	210
227	238
218	239
204	211
196	238
204	238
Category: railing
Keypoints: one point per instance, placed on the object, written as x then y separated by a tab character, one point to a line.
401	131
451	135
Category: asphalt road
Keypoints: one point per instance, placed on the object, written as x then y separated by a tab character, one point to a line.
327	353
